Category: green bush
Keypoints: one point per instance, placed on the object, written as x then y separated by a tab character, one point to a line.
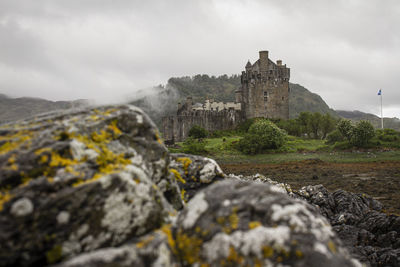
388	135
334	137
194	146
243	127
198	132
362	134
345	128
262	135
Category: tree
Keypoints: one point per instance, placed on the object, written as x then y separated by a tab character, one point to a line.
362	133
328	125
304	120
315	124
345	128
198	132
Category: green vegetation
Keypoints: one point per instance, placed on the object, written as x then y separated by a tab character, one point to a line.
261	141
198	132
261	136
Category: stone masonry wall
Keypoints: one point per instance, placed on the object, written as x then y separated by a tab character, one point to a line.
176	128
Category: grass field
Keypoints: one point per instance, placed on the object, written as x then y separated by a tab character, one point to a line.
296	149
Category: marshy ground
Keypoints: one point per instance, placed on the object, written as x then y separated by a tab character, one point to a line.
379	179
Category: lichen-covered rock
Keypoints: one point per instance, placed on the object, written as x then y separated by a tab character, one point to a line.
193	173
370	235
78	181
150	250
232	223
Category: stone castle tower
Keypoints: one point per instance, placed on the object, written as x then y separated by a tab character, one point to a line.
265	89
264	92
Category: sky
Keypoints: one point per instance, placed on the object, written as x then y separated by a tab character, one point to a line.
343	50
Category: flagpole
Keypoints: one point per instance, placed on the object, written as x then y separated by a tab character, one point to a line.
381	112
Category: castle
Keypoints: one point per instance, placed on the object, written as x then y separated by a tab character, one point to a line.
264	92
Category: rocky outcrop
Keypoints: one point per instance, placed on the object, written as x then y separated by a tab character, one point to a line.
367	232
97	187
371	235
78	181
234	223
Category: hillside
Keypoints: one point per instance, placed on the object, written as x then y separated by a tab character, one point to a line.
12	109
162	101
393	123
301	99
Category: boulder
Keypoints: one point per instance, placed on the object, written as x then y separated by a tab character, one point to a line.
233	223
80	180
194	173
150	250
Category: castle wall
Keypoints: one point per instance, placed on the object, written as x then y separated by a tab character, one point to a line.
176	128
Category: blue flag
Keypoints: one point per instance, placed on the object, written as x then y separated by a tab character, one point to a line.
380	92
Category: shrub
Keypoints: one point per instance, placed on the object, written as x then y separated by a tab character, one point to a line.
345	128
334	137
194	146
243	127
198	132
388	135
362	133
262	135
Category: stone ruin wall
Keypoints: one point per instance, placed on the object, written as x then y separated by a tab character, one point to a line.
176	128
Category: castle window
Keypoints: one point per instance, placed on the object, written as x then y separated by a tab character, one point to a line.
265	96
283	98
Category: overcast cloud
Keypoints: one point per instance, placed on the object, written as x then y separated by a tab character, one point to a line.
344	50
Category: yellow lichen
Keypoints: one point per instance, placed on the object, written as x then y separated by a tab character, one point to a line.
159	140
178	176
189	247
143	243
166	229
4	198
254	224
94	117
14	143
332	247
183	195
234	220
268	251
113	127
59	161
54	255
299	254
42	150
185	162
234	256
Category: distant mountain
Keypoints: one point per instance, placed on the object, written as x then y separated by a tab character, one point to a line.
393	123
12	109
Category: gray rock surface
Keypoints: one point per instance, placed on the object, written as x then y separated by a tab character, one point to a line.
233	223
78	181
371	235
194	173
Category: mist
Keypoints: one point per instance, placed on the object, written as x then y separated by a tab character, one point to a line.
103	51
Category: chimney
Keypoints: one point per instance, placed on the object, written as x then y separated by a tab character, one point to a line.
263	61
279	62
